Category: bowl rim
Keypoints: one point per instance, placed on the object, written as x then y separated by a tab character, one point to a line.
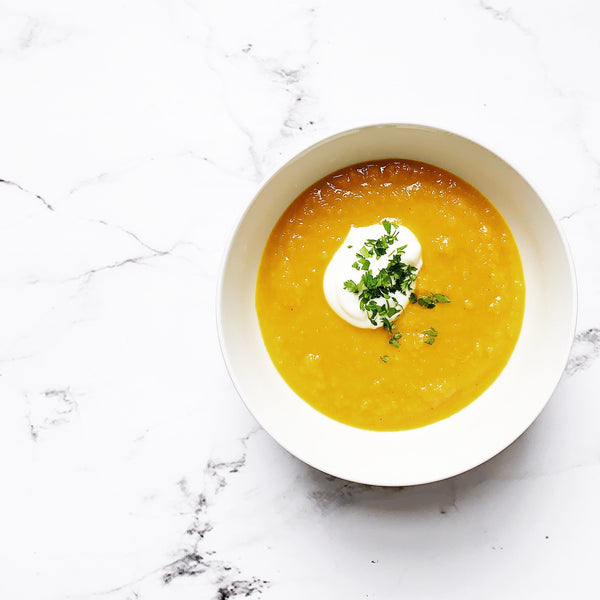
342	473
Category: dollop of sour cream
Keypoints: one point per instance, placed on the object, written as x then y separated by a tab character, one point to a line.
347	304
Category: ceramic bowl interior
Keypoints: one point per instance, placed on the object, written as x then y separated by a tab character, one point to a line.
488	424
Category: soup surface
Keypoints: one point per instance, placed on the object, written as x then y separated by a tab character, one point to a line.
355	375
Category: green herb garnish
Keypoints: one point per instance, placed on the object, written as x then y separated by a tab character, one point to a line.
431	334
375	292
426	301
384	358
394	340
430	300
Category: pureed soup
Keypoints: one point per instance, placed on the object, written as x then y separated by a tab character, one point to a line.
463	307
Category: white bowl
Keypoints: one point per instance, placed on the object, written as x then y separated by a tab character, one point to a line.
477	432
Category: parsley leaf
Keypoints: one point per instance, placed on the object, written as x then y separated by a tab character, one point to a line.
431	334
394	340
376	292
426	301
430	300
351	286
384	357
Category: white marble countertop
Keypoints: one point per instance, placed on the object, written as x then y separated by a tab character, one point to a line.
133	135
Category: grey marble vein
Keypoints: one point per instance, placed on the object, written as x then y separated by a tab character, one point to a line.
291	78
131	234
198	558
504	16
100	221
31	32
586	350
26	191
577	212
574	106
48	409
86	276
286	75
142	259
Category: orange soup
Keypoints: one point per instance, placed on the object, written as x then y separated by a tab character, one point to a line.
356	375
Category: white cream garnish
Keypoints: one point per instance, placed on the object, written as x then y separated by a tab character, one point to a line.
346	303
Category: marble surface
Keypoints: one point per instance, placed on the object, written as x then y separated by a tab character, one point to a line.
133	135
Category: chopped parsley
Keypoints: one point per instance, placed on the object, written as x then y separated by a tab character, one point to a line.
430	300
431	334
441	299
375	292
395	340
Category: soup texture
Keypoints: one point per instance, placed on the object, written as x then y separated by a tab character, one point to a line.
355	375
